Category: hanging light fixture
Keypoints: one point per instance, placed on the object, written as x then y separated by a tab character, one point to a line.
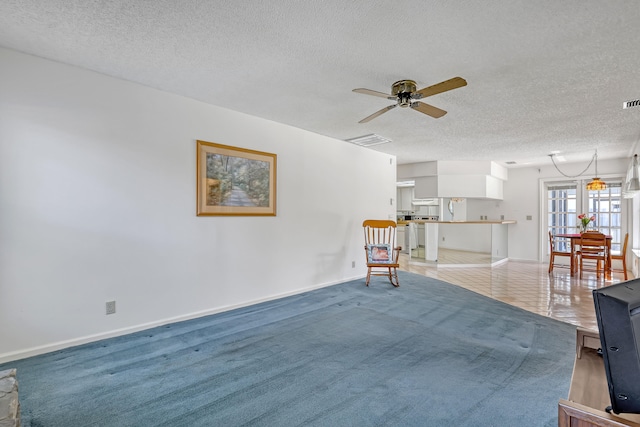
553	155
632	183
596	183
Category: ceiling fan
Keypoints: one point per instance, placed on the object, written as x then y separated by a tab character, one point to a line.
405	94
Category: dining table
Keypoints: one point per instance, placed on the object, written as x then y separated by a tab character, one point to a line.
575	241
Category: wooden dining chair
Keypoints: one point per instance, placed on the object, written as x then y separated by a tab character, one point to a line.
554	252
381	250
621	257
593	250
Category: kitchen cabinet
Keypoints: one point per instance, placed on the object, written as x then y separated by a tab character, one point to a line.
400	237
404	199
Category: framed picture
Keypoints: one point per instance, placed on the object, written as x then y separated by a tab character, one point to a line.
379	254
234	181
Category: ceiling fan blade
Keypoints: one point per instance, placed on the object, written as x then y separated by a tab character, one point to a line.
427	109
374	93
444	86
377	113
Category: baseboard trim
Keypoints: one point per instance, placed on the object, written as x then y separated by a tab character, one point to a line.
61	345
489	265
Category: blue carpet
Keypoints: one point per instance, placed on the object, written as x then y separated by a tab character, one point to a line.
425	354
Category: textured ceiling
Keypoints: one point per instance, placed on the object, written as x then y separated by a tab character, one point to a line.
542	75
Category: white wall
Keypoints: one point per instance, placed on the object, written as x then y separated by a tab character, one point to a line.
97	203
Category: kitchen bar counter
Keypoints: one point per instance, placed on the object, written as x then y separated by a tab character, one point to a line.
485	237
424	221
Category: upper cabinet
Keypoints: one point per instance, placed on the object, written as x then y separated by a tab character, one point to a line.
468	179
405	199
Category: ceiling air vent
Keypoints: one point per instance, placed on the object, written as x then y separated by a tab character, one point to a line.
368	140
510	162
629	104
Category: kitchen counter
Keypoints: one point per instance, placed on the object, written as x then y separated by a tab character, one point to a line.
424	221
488	238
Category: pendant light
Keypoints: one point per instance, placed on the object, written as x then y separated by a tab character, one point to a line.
596	184
632	183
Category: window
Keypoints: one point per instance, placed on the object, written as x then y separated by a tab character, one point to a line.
606	206
566	200
562	214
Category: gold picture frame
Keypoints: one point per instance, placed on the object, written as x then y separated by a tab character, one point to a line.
234	181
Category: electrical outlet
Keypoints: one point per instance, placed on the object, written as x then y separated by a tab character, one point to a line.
529	217
353	264
110	307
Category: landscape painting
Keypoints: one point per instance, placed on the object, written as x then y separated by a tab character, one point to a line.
235	181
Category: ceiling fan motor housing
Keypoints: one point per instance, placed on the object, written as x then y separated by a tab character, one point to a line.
403	90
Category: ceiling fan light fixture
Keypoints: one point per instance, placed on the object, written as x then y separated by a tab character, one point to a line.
404	100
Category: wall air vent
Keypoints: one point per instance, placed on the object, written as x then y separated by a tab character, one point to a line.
368	140
510	162
629	104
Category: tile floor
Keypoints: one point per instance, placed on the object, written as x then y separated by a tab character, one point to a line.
526	285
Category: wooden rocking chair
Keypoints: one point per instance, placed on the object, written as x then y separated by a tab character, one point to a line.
382	253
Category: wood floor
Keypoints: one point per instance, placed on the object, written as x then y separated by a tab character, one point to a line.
526	285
